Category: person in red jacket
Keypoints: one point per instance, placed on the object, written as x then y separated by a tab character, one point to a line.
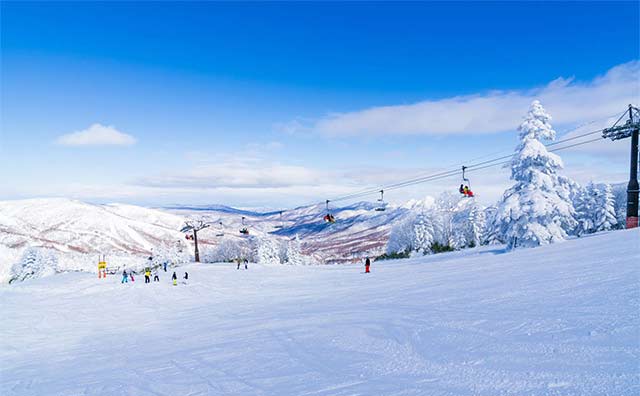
367	264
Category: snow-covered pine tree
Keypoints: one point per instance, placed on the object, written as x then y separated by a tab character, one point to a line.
459	237
423	234
294	252
490	234
584	205
173	254
402	236
605	212
447	205
268	251
477	222
36	262
467	225
537	209
595	209
620	203
227	250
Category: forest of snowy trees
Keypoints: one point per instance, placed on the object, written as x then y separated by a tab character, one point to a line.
541	207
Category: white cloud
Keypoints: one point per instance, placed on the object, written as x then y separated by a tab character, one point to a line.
569	101
239	174
96	135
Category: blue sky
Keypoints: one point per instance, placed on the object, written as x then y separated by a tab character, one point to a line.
279	104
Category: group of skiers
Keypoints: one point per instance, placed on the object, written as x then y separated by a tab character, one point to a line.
148	272
147	276
246	263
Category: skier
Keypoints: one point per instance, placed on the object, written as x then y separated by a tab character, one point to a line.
147	275
155	276
131	276
239	261
367	264
246	263
185	277
165	266
125	277
175	278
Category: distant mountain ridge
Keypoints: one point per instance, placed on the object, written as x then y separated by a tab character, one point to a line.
67	225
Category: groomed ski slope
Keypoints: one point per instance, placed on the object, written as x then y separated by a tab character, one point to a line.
556	320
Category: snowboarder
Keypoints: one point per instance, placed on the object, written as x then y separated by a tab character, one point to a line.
125	277
367	264
246	263
175	278
155	276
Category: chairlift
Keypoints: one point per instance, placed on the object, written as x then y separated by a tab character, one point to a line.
244	230
220	232
382	206
465	187
329	218
281	225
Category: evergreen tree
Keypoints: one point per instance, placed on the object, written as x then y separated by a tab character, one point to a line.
595	208
477	222
36	262
584	205
537	210
294	252
402	236
422	234
605	212
468	223
268	251
490	234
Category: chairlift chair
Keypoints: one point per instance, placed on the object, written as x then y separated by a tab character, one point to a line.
382	206
244	230
466	184
220	232
329	218
281	225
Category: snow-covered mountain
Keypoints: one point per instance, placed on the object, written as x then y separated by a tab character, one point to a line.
71	227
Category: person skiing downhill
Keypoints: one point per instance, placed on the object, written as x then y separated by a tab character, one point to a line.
156	278
367	264
165	266
185	277
125	277
246	264
131	276
175	278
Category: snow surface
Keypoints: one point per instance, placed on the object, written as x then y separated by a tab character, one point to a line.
561	319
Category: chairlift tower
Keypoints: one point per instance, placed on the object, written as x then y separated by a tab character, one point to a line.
629	129
195	226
